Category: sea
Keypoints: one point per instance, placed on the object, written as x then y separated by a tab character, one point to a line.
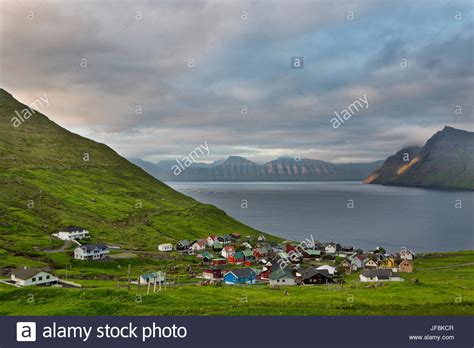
349	213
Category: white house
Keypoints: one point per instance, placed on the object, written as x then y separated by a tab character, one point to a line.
282	276
211	240
379	275
91	252
158	277
165	247
227	251
407	254
33	276
72	233
328	268
200	245
370	264
330	248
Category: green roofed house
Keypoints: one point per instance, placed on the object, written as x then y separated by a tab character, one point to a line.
183	245
152	277
205	256
217	246
248	256
282	276
312	253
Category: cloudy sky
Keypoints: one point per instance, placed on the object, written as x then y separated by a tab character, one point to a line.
192	66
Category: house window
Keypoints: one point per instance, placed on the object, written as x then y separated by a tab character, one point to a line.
34	279
40	279
47	277
283	280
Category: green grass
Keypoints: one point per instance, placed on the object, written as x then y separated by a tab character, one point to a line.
46	185
438	292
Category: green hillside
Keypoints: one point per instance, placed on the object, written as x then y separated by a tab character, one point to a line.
46	184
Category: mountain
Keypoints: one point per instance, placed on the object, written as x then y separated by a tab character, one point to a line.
445	161
237	168
51	178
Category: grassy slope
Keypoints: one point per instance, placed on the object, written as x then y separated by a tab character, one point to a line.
42	162
439	292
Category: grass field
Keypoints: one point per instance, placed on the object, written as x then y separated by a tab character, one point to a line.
445	287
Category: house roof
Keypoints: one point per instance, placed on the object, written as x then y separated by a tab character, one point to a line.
27	273
242	272
379	273
313	252
247	253
311	272
229	248
73	229
152	275
184	242
238	255
205	254
280	272
201	242
90	247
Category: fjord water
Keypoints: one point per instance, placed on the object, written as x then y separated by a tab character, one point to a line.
420	219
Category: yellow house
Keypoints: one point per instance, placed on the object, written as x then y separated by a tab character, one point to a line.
388	262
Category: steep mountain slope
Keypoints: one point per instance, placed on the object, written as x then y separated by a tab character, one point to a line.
51	178
445	161
237	168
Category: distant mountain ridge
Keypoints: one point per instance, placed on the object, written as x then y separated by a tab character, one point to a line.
237	168
446	161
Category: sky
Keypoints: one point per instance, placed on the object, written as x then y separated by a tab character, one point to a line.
156	79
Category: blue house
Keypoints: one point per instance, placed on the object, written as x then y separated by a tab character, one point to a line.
240	276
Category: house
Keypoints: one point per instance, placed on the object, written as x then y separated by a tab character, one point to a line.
246	245
330	248
165	247
260	252
235	236
312	276
346	266
261	238
310	253
240	276
331	270
183	245
407	254
227	239
205	256
217	246
33	276
216	262
211	240
274	246
358	262
91	252
379	275
347	249
388	262
282	276
370	264
72	233
212	273
405	266
227	251
153	277
199	245
248	256
287	247
236	258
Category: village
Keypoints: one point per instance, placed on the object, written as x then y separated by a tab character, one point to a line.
234	260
